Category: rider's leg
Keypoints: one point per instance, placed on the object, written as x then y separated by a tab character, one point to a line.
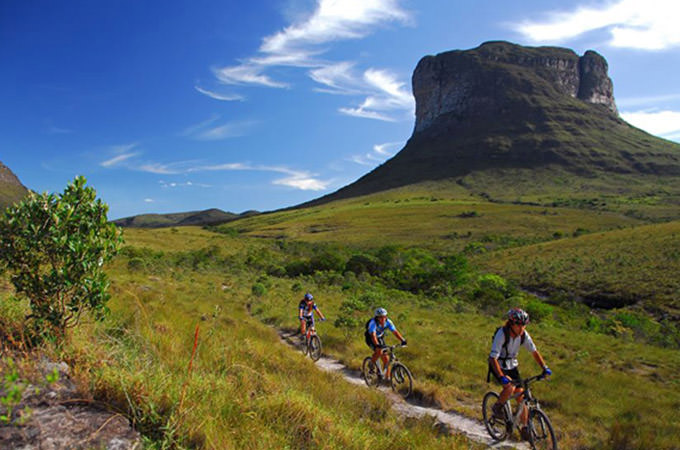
303	327
505	394
524	416
386	363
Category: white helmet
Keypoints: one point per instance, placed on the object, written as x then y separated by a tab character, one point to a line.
380	312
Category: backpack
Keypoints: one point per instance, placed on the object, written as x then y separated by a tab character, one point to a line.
366	327
506	334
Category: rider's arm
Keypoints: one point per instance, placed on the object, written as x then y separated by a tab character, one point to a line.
398	335
539	359
320	313
300	313
496	366
374	336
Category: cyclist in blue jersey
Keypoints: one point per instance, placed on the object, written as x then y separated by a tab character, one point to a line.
375	337
306	312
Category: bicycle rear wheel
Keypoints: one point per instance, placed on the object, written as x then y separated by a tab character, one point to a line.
541	431
494	425
402	381
370	372
315	348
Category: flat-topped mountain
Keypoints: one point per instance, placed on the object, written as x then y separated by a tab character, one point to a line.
11	188
534	124
212	216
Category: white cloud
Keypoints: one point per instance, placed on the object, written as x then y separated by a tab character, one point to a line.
116	160
379	154
57	130
123	154
148	200
644	25
166	185
246	74
335	20
222	97
299	45
660	123
295	178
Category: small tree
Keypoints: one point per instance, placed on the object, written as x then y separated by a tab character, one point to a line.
55	247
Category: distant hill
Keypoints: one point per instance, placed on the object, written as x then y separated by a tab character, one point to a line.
11	188
207	217
521	124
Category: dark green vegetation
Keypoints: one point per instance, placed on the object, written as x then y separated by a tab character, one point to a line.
54	247
11	189
207	217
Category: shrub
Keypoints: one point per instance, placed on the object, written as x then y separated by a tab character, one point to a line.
538	311
258	289
56	246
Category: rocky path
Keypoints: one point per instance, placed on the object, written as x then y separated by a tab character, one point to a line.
446	421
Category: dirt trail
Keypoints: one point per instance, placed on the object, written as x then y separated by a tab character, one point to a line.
446	421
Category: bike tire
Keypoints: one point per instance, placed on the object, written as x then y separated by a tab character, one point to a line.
315	348
402	380
542	434
495	426
369	372
304	345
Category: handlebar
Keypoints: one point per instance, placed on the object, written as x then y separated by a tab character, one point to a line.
528	381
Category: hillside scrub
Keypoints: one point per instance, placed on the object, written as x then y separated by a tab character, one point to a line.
55	247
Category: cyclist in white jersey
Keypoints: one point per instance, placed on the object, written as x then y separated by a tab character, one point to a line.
503	360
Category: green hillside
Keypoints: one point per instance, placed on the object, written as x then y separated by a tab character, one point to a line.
207	217
636	266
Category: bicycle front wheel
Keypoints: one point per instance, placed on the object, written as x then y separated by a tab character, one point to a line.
494	425
402	381
315	348
541	431
370	372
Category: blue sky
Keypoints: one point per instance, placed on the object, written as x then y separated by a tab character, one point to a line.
169	106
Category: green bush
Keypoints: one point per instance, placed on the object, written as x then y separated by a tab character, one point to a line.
258	289
538	311
55	246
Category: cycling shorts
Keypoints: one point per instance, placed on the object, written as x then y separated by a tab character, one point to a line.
369	341
513	374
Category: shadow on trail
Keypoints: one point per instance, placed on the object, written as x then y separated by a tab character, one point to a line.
446	422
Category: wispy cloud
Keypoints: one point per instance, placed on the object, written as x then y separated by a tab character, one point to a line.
172	184
303	43
379	154
389	95
122	153
664	123
298	179
248	73
644	25
148	200
217	96
654	100
205	131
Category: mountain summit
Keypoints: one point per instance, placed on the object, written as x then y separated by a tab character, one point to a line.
11	189
514	123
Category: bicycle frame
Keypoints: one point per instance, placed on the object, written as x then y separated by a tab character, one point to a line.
529	401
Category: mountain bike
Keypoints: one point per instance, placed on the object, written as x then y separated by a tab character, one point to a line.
401	381
311	343
541	433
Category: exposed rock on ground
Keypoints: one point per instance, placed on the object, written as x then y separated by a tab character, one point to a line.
54	415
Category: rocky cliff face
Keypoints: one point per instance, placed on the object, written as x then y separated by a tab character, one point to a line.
463	84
